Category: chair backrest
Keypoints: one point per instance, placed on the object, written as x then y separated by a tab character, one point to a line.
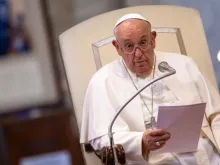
87	46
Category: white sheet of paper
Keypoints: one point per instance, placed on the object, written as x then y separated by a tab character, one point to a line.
184	124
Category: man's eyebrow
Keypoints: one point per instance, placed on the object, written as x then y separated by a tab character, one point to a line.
127	40
145	36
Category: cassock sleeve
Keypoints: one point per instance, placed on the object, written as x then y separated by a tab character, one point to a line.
214	118
209	95
98	111
131	142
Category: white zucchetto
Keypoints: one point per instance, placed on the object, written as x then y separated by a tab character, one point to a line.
129	16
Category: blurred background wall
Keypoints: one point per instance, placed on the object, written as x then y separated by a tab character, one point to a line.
209	11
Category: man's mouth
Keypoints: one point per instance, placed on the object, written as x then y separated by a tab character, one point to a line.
141	61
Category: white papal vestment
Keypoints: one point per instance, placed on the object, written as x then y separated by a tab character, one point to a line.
111	86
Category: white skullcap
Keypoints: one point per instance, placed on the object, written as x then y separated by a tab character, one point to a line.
129	16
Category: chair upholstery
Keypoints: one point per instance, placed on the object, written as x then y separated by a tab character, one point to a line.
86	47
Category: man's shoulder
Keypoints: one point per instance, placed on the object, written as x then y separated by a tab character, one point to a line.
173	58
171	55
102	74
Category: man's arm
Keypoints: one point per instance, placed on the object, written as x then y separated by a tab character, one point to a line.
209	95
214	112
131	142
137	145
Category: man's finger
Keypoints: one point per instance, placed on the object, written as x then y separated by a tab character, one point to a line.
157	132
159	143
156	146
164	137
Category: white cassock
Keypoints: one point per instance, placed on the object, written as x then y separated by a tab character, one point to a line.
111	87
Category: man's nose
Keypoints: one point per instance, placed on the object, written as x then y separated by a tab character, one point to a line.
138	52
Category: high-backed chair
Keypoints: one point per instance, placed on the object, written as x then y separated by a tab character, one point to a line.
86	47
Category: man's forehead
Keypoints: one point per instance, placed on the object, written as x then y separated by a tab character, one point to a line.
133	28
132	38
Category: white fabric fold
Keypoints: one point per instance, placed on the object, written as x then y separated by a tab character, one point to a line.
110	88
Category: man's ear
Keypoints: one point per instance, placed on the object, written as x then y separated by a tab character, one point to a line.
153	38
115	43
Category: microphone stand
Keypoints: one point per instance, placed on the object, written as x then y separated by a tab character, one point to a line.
111	140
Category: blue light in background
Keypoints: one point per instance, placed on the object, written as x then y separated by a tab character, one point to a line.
4	27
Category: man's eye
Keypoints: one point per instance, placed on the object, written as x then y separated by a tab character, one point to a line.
129	45
144	42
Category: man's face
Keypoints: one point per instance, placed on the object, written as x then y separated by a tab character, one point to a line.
135	43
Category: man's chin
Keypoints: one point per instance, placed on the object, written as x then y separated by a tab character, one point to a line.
143	74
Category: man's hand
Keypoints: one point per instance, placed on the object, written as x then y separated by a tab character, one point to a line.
154	139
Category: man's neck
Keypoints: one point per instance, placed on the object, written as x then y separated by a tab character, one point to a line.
146	75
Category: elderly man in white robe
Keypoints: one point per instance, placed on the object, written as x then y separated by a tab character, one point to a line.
116	82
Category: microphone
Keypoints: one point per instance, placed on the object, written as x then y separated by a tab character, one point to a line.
163	67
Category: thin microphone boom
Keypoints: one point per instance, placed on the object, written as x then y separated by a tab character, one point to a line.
170	70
